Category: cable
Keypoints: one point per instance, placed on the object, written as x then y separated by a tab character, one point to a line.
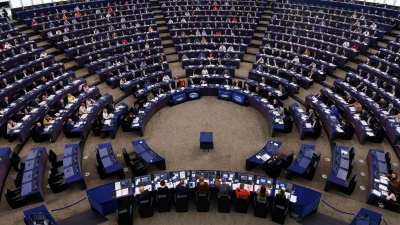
52	210
337	209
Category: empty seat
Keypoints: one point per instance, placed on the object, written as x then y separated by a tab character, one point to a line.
279	212
350	186
14	198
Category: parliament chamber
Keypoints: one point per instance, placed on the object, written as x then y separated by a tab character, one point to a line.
203	111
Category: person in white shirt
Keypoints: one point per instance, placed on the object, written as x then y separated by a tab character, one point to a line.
7	45
183	20
260	60
204	71
106	115
58	32
366	33
108	15
373	26
90	101
170	21
166	78
222	48
43	54
296	59
65	38
230	49
123	19
98	11
346	44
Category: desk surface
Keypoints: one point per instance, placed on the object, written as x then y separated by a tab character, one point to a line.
304	157
38	209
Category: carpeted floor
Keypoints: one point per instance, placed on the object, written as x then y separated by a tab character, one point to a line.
173	132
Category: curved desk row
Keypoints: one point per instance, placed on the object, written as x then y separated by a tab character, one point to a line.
103	199
195	92
148	154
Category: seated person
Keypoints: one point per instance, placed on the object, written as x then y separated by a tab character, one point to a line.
357	106
163	189
70	98
280	197
47	119
143	195
150	97
394	181
39	128
90	101
106	115
242	192
82	109
223	187
70	125
262	193
391	195
202	187
182	188
129	119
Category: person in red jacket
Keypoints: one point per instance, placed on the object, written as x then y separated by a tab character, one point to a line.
181	83
34	22
241	191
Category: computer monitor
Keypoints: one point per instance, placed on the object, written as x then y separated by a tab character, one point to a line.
263	181
204	174
145	179
164	176
244	178
38	218
192	184
225	175
125	184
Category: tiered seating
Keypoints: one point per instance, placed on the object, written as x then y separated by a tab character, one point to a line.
211	38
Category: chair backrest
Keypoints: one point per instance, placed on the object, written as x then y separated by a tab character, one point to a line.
388	157
290	157
52	156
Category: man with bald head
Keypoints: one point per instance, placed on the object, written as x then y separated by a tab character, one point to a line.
144	195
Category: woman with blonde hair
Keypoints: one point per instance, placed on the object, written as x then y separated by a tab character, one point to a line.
202	186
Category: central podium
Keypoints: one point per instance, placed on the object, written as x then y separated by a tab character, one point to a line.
206	140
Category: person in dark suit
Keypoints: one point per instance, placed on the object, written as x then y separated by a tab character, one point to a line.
190	81
370	119
182	188
223	187
349	81
5	103
35	102
382	103
135	109
5	13
247	87
270	97
310	114
377	131
159	91
61	105
226	82
286	123
70	125
390	109
317	127
363	114
386	87
39	128
275	103
319	96
282	89
346	129
18	116
143	195
163	189
375	97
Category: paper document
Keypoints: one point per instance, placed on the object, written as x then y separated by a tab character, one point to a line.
308	125
265	157
293	198
383	181
370	134
117	185
375	192
383	187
